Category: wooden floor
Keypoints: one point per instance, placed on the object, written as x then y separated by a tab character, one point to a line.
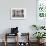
13	44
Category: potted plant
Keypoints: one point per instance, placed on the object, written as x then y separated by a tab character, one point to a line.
39	35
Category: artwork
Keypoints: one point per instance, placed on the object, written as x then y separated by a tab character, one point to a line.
18	13
41	13
41	8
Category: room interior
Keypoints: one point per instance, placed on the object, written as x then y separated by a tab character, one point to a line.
22	23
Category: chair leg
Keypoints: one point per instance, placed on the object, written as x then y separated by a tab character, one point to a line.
5	40
5	43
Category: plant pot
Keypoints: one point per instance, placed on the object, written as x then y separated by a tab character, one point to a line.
40	40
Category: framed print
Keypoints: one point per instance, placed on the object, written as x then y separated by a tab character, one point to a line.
41	9
41	12
18	13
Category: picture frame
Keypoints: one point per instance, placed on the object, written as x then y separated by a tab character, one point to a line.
18	13
41	12
41	9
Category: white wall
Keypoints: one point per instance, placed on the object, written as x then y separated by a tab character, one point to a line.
24	25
